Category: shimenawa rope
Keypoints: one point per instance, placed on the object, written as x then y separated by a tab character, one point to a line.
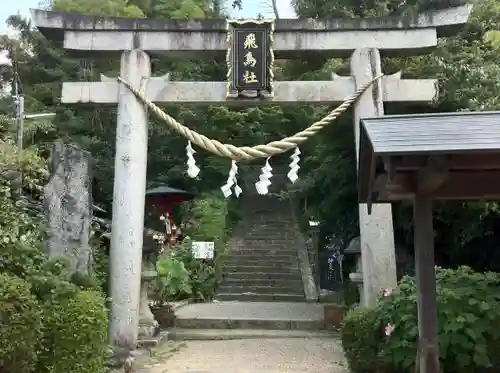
247	153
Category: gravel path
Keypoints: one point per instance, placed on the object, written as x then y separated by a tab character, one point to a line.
289	355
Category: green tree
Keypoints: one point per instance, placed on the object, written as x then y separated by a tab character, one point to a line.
466	66
110	8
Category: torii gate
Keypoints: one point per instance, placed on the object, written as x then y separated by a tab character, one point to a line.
136	39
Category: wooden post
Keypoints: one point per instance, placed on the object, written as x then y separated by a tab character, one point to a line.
428	348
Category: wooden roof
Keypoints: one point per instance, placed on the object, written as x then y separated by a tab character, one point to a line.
450	155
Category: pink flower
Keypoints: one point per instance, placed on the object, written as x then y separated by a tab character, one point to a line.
389	328
387	292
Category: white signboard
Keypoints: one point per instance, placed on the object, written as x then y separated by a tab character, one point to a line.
203	250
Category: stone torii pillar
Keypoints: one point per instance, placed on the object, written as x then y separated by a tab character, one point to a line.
376	230
129	193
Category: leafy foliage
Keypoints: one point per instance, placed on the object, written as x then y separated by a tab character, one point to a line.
48	323
117	8
209	220
180	275
173	282
20	327
75	334
466	69
465	65
468	304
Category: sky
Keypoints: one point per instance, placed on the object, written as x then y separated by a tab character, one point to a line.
250	9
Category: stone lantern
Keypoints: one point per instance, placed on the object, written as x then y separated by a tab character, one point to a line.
356	277
148	326
313	251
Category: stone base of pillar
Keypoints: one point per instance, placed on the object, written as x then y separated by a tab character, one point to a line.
377	252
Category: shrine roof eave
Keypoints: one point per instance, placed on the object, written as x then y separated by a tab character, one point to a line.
53	24
450	156
166	190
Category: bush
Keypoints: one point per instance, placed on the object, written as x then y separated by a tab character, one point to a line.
20	325
360	342
468	305
75	334
207	220
47	323
181	276
204	275
173	281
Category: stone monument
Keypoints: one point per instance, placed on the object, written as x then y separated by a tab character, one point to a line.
68	206
134	40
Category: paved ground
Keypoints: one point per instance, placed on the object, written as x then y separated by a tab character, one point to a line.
291	355
251	349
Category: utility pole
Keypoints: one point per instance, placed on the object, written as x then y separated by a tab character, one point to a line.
20	117
19	102
18	99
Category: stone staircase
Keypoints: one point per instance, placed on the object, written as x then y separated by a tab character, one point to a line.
263	263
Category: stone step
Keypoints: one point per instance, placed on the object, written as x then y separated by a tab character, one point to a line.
251	315
256	289
261	256
275	234
272	216
270	232
183	334
248	297
293	282
273	246
267	240
220	323
266	222
262	248
264	267
256	207
271	276
271	207
260	240
242	255
267	250
259	260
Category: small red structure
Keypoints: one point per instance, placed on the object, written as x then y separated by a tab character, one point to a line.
161	200
421	158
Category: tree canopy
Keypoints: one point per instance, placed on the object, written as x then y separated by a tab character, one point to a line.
466	66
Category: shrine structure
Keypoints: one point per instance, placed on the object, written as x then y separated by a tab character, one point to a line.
250	81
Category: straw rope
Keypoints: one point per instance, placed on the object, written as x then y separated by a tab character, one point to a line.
248	153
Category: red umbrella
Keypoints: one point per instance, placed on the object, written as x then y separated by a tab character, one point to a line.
165	197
